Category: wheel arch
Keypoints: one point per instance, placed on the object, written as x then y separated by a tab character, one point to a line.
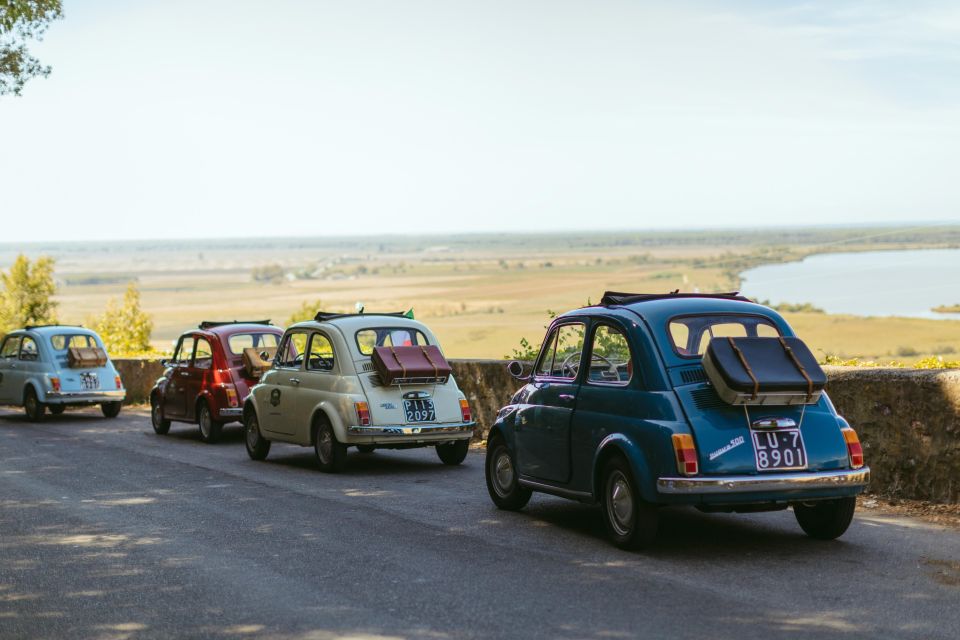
326	410
617	444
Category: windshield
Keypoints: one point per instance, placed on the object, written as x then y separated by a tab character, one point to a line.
368	339
240	341
691	334
64	342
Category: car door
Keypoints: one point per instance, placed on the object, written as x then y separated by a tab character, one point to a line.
9	352
174	395
543	425
284	379
28	363
317	382
193	374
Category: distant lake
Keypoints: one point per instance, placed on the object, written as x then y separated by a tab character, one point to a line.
874	283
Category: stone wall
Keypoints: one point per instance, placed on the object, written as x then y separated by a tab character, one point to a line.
908	420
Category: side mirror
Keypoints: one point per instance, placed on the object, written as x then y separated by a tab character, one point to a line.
516	370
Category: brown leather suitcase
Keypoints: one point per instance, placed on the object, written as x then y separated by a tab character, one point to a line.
86	357
253	362
411	365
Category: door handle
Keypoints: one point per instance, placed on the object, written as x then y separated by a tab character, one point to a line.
295	380
566	397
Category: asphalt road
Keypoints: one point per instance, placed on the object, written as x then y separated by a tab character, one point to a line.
110	531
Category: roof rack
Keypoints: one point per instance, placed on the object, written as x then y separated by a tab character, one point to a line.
210	324
323	316
611	298
31	327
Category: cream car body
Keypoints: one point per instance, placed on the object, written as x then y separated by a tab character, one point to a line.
294	396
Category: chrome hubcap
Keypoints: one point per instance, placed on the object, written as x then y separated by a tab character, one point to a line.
253	433
324	445
620	503
503	473
205	422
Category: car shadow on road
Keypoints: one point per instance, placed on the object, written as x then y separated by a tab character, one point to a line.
188	432
366	465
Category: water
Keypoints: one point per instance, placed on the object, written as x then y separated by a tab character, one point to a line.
874	283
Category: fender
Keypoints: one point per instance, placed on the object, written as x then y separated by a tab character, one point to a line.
329	410
38	386
249	405
634	456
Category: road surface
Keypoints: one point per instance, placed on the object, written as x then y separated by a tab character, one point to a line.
110	531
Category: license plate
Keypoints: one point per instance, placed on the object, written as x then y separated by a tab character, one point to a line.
419	410
89	381
779	450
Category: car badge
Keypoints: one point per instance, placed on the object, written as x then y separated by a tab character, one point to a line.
416	395
275	397
769	422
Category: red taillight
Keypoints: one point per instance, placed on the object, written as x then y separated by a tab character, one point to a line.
232	399
465	412
118	382
363	413
55	384
686	454
854	448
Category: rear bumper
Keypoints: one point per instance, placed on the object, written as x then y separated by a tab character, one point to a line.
772	483
85	397
415	431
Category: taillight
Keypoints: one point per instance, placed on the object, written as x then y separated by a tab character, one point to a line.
231	396
465	412
55	384
686	454
854	449
117	381
363	413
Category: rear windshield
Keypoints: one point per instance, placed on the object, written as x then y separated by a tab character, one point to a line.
368	339
64	342
691	334
240	341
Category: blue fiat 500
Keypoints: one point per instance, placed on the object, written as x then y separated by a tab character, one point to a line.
619	411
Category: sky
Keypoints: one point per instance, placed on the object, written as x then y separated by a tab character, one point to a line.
185	119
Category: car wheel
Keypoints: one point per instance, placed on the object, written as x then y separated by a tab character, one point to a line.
209	428
110	409
32	405
453	453
331	455
160	424
57	409
502	478
826	520
365	448
257	446
631	522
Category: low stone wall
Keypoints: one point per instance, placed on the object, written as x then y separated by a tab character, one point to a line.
908	420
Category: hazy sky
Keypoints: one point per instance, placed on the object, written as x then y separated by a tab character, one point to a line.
312	118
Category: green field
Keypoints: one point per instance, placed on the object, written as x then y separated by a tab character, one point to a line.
482	293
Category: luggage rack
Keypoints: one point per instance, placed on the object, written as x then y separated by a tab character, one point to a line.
400	382
616	298
211	324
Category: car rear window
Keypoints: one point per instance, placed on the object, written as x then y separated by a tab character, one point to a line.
62	342
690	335
369	339
240	341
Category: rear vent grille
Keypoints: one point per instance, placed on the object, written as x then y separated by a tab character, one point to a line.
375	380
707	399
691	376
367	366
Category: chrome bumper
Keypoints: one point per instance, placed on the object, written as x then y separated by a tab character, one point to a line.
764	483
66	397
231	412
409	430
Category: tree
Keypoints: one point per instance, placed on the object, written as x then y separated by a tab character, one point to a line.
306	311
125	328
27	294
21	21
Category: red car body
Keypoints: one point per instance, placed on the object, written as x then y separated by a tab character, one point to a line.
206	382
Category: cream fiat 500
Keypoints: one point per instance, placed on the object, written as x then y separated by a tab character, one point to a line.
323	391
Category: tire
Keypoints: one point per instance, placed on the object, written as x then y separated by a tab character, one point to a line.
110	409
160	424
365	448
453	453
209	428
32	405
826	520
257	446
56	409
502	478
631	523
331	454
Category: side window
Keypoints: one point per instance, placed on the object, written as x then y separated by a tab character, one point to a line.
184	351
321	353
291	351
610	361
11	347
203	358
561	358
28	349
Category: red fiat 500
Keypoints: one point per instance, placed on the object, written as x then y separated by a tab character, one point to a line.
210	375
